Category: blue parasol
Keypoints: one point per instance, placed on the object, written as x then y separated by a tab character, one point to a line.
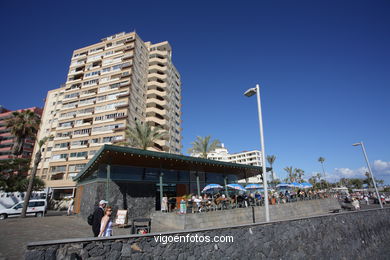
211	187
253	186
236	187
283	185
306	185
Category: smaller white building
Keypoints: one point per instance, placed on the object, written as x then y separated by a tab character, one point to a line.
252	157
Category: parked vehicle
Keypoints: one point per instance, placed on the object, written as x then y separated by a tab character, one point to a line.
35	208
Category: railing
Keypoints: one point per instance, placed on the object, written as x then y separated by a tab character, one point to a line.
233	203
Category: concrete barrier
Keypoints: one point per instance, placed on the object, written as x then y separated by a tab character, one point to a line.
173	221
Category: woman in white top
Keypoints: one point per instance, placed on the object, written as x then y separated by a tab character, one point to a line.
106	223
164	204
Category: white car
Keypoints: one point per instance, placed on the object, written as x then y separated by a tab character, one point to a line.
35	208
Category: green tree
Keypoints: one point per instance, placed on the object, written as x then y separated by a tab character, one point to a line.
271	159
380	182
313	180
275	182
23	125
322	160
298	174
142	136
37	160
203	146
12	173
368	180
355	183
290	171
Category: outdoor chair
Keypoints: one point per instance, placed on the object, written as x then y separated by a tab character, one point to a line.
141	225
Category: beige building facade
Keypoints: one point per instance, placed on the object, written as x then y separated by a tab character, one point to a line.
110	85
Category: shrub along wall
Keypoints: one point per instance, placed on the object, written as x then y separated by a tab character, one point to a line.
354	235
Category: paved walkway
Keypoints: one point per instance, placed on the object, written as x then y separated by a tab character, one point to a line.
16	233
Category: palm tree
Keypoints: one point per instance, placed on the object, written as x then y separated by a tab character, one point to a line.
298	173
322	160
203	146
318	176
38	157
23	125
271	159
142	136
290	172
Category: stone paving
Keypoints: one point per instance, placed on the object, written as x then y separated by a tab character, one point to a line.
16	233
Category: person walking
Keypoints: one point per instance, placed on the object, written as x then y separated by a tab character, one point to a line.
97	217
366	199
106	223
70	207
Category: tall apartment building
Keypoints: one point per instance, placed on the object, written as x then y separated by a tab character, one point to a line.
7	139
110	85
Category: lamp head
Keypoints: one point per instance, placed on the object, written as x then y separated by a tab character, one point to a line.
250	92
356	144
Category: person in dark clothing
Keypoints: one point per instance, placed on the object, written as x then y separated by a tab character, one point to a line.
97	217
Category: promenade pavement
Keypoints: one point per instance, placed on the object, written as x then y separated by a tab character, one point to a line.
16	233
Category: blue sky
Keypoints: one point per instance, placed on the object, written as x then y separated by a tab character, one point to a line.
323	68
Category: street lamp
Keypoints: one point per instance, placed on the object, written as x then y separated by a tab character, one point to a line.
250	92
369	169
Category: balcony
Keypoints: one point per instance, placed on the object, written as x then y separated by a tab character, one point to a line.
71	98
64	127
126	85
156	83
119	129
118	141
79	146
61	138
5	149
122	106
59	160
127	65
129	41
127	49
121	117
153	100
123	95
89	94
125	75
60	148
127	57
151	110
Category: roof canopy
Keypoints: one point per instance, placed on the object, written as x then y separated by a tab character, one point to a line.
118	155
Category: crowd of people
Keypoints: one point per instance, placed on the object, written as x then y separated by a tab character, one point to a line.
207	202
358	198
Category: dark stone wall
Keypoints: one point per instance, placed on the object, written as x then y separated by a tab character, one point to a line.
138	198
355	235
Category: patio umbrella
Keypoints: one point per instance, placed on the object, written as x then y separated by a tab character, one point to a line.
236	187
295	184
283	185
306	185
253	186
212	187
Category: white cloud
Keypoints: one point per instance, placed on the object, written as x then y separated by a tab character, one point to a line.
350	173
381	168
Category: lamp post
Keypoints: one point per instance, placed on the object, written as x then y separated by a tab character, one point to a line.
369	169
250	92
